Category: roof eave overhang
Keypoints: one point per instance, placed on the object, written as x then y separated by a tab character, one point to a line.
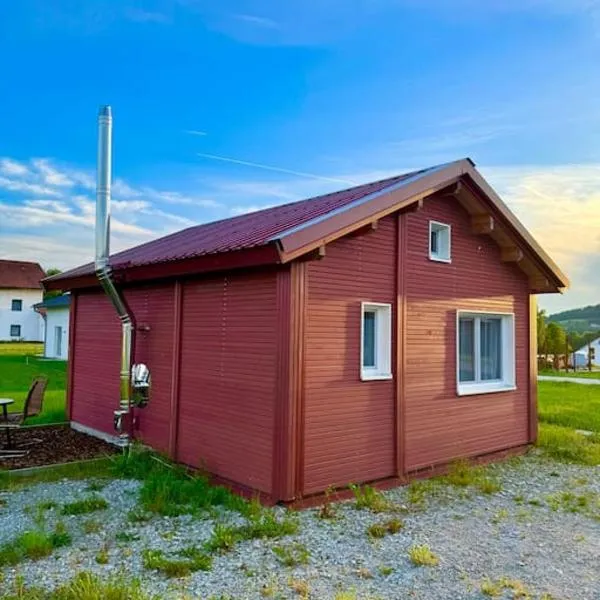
209	263
320	231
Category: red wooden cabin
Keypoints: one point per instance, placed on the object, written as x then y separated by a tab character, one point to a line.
354	337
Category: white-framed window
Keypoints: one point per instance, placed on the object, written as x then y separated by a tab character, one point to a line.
439	241
375	341
16	305
15	331
485	352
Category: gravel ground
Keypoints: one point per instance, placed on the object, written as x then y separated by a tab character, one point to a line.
517	533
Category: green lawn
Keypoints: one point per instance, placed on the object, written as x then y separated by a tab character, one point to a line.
563	408
582	374
569	404
16	374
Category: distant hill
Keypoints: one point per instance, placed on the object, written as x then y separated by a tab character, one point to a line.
579	319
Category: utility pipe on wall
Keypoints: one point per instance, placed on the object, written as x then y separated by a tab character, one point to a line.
103	269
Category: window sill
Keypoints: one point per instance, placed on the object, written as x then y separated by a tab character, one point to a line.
440	259
484	388
375	376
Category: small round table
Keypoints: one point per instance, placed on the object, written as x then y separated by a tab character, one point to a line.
4	402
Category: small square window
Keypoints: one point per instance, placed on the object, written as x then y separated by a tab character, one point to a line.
376	341
17	305
15	331
485	353
439	241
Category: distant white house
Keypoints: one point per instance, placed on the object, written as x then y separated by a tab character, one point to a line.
584	352
20	290
55	312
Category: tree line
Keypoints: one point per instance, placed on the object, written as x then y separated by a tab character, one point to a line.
554	339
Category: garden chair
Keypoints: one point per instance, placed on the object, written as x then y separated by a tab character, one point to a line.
31	408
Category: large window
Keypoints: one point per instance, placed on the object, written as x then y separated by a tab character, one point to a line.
485	353
15	331
376	341
17	305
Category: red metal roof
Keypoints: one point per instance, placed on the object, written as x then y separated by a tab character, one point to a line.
238	233
16	274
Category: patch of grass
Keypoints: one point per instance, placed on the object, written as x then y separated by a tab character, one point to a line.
267	525
96	486
422	556
84	586
292	555
33	545
91	526
385	570
420	491
566	445
299	586
170	490
569	405
77	470
368	498
85	506
192	560
501	515
578	374
126	536
379	530
269	589
18	368
139	515
102	556
463	474
586	502
495	588
223	538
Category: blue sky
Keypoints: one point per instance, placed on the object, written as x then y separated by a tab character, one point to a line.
329	91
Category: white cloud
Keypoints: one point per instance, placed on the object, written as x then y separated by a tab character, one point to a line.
242	210
50	175
16	185
258	21
195	132
9	167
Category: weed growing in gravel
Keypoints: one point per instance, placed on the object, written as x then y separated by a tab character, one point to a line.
369	498
422	556
299	586
85	506
385	570
223	539
292	555
138	515
566	445
84	586
192	560
96	486
379	530
587	502
102	555
33	545
421	490
91	526
327	509
463	474
269	589
126	536
170	490
497	587
501	515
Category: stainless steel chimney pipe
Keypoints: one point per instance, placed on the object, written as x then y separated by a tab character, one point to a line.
103	270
